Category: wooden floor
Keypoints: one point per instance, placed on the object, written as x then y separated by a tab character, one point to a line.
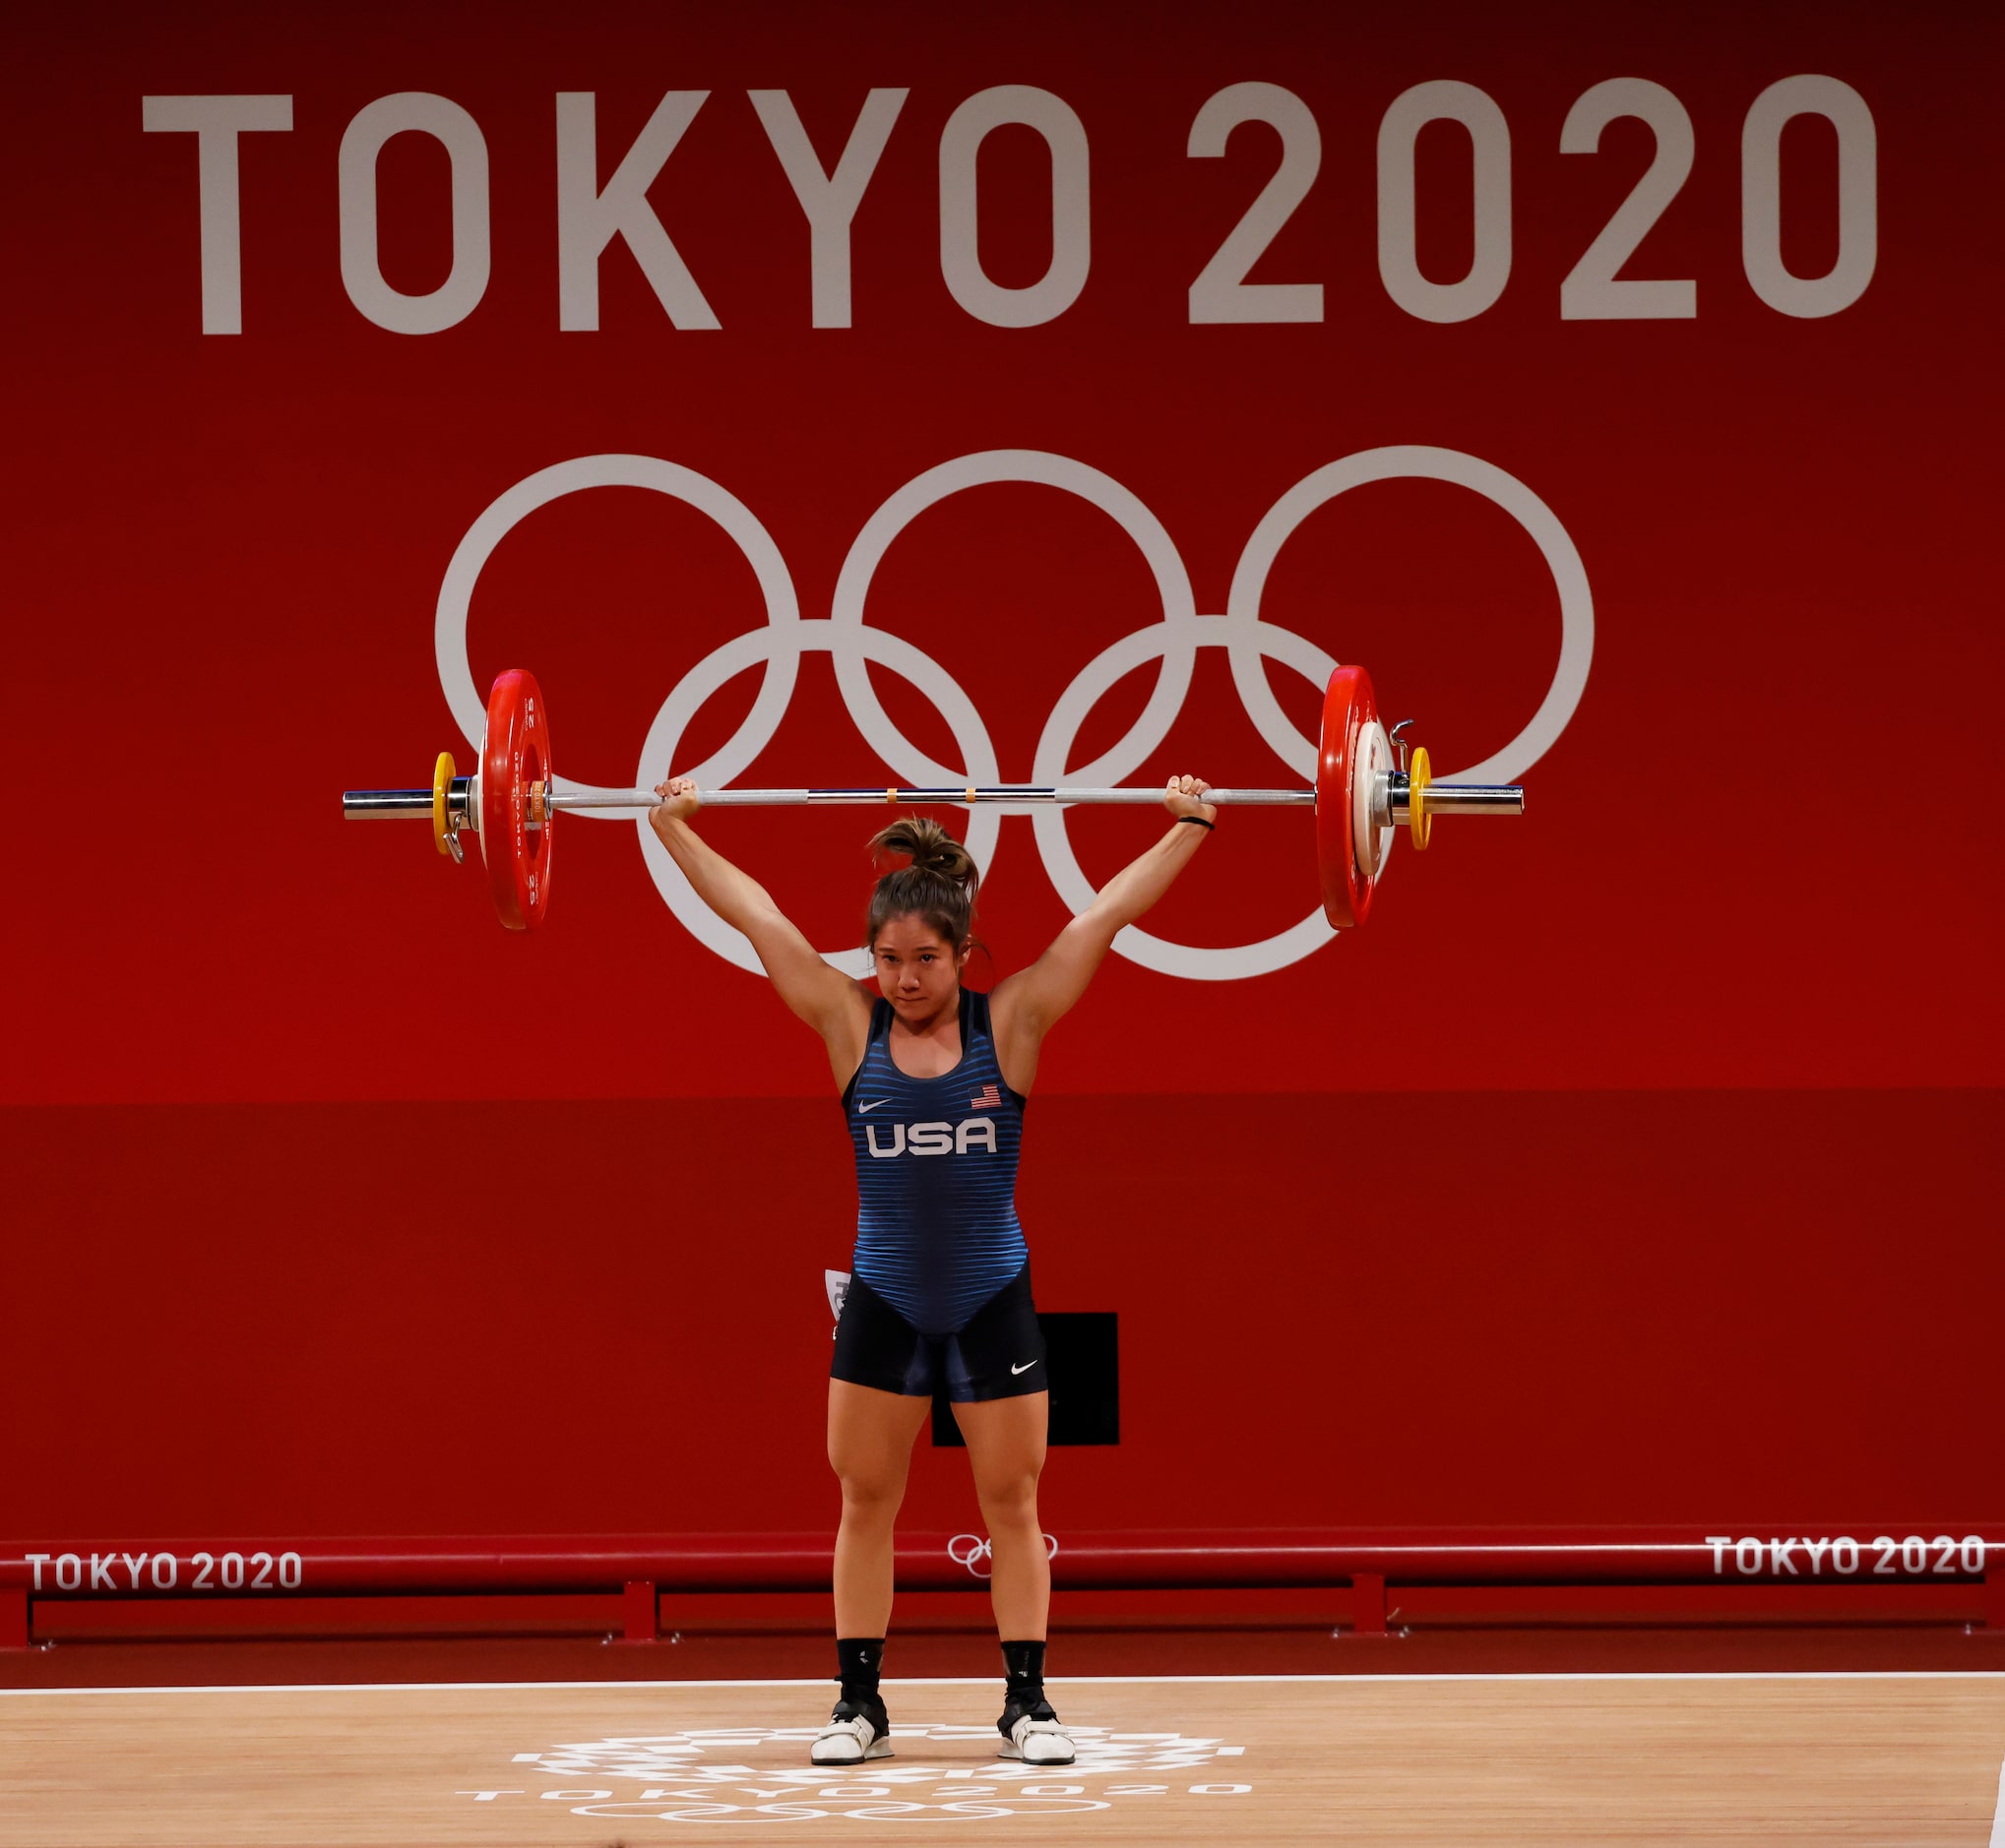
1459	1762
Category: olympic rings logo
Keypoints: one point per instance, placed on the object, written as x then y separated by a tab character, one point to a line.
974	1552
1249	642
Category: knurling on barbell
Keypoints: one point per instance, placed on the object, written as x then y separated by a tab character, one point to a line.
1362	797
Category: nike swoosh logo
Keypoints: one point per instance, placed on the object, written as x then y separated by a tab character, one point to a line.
1024	1368
865	1109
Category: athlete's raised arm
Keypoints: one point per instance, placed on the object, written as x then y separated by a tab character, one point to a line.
1025	1006
827	999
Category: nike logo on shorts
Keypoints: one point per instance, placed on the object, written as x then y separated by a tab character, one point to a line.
1024	1368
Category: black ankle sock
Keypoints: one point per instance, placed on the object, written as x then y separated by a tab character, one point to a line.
858	1662
1023	1662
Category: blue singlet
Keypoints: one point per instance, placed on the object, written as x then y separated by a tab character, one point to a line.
936	1176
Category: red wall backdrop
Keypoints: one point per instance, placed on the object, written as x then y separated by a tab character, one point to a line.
1637	1162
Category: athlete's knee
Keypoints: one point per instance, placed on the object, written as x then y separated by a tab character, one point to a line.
870	1493
1008	1497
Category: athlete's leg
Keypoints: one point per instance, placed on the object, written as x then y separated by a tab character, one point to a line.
870	1447
1006	1450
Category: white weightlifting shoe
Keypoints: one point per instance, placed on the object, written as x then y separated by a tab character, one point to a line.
850	1738
1039	1742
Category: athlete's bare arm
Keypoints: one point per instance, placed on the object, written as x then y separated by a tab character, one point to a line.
1026	1006
831	1003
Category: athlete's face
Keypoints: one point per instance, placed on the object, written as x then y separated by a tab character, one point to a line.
917	971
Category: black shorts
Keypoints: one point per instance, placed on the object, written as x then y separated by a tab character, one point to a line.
998	1355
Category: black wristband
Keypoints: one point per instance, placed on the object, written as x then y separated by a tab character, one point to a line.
1198	821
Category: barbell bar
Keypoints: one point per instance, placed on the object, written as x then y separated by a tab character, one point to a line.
1368	784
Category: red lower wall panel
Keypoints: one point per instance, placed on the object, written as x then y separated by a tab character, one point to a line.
1717	1312
136	1619
1604	1606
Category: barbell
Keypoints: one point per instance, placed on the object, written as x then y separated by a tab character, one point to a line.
1368	784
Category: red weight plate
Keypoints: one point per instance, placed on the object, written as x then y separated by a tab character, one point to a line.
1349	706
515	754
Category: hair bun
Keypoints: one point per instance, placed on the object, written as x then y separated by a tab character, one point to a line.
929	846
939	884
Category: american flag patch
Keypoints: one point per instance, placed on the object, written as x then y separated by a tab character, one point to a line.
991	1099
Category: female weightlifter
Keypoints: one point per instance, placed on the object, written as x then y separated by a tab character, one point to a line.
933	1078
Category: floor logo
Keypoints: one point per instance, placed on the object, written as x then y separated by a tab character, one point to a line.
701	1777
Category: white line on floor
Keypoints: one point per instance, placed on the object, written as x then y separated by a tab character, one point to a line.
1998	1812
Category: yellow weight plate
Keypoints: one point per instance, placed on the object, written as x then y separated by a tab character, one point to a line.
442	783
1418	821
